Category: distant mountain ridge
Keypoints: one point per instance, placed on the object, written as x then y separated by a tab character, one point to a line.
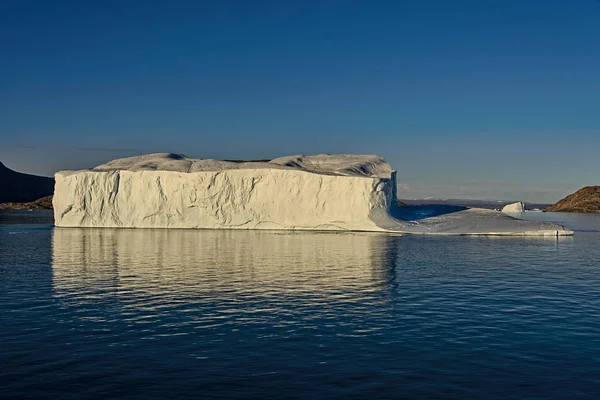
585	200
21	188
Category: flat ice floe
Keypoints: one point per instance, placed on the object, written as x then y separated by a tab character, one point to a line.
322	192
467	221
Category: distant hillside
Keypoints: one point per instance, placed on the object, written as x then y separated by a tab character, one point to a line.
586	200
20	188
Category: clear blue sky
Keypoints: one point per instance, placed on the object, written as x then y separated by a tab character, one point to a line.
472	99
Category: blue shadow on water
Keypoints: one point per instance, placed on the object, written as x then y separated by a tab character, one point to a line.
414	213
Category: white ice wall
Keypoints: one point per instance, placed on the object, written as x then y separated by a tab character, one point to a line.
238	198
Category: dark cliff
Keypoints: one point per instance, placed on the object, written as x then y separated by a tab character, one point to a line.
20	188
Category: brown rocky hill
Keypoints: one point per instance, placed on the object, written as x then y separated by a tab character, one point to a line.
45	203
21	188
586	200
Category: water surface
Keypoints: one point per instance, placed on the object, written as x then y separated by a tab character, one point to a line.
143	314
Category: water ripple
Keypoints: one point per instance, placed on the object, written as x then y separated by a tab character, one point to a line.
92	314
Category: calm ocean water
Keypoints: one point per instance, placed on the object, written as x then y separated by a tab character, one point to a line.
154	314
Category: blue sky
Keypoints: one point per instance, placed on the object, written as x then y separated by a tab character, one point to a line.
471	99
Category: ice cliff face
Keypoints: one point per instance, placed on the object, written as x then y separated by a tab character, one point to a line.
171	191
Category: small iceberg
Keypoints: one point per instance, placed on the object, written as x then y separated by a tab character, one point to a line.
518	207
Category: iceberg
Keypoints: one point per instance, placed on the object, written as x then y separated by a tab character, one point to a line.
322	192
518	207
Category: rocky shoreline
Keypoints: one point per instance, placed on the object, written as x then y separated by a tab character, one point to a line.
45	203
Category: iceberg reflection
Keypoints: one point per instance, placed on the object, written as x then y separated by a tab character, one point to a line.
190	265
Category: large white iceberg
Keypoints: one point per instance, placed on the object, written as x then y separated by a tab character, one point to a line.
322	192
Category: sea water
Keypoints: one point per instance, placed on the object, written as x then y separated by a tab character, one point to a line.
154	314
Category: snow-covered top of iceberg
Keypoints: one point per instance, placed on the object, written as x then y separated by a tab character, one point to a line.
371	166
